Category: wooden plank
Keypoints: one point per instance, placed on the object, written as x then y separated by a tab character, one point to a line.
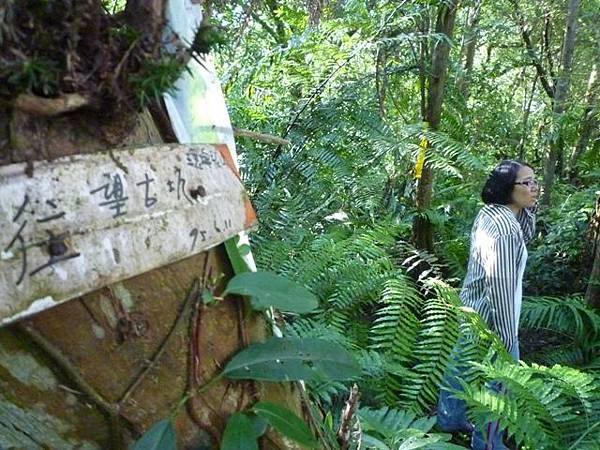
86	221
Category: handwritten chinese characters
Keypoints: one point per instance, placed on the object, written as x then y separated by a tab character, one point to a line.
84	222
113	193
202	158
25	215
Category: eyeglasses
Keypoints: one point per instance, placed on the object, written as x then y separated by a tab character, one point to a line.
528	183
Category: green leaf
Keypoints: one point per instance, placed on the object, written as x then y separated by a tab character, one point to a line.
288	359
235	255
328	420
259	424
286	422
207	297
161	436
371	442
244	249
267	289
239	434
431	442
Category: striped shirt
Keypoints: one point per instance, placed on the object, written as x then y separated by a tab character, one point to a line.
497	259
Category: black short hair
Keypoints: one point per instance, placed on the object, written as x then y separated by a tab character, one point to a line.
501	182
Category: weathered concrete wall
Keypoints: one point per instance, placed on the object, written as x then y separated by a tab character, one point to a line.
97	371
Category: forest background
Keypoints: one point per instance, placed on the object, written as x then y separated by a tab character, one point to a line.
388	118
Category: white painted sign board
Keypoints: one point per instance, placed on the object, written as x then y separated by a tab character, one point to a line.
197	106
83	222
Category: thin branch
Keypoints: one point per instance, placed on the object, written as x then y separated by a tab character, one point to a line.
531	51
348	418
245	21
197	391
315	423
115	420
526	113
262	137
193	372
319	88
381	79
547	45
193	293
119	67
267	28
67	367
314	95
537	64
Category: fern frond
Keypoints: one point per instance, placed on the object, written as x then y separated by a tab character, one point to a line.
396	324
435	341
417	261
567	355
485	406
388	421
401	429
542	407
568	315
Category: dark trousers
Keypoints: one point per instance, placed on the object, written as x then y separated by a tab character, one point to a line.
452	412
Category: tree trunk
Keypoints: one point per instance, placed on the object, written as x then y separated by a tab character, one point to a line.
423	57
469	45
561	93
422	227
592	294
536	61
381	79
526	112
589	122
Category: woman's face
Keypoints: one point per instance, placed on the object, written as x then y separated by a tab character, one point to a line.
526	190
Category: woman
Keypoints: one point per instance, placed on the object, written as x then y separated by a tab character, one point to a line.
493	285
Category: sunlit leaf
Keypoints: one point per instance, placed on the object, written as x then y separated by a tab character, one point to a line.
287	359
267	289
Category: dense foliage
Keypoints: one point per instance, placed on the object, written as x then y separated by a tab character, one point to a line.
345	82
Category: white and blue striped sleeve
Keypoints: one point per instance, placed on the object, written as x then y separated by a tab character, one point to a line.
526	219
501	272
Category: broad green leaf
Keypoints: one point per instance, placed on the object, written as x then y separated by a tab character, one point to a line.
443	445
259	424
286	422
370	442
161	436
435	441
239	434
288	359
267	289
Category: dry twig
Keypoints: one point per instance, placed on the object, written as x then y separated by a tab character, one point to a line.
348	418
50	106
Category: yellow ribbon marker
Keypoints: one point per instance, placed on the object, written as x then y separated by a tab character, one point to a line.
421	158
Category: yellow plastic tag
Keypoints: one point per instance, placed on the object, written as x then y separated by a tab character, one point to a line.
421	158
